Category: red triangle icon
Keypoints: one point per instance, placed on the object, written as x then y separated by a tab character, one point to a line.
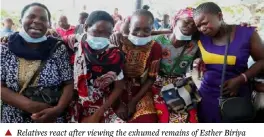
8	133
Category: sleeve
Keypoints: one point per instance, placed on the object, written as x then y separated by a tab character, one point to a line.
3	62
63	62
155	57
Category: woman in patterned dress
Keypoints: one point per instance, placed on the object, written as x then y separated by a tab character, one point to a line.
172	45
140	70
98	73
21	58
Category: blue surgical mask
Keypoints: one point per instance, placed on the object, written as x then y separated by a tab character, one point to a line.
139	41
29	39
179	36
97	43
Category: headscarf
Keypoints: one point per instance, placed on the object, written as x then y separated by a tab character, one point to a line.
183	13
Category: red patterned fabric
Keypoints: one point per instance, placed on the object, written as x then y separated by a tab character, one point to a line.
183	13
94	81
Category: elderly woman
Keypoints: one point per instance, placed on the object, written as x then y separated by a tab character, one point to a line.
34	63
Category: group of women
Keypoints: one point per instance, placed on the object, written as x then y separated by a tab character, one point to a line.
133	82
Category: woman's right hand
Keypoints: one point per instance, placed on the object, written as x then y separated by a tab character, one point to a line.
117	39
122	112
35	107
4	40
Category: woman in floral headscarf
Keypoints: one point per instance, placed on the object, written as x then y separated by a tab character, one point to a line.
173	68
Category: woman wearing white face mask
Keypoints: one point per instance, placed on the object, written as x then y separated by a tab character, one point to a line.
98	74
33	63
140	70
179	49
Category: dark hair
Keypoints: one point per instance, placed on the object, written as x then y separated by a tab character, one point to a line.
84	15
143	12
35	4
98	15
207	7
145	7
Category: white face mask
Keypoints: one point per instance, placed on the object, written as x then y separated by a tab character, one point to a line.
139	41
29	39
97	43
179	36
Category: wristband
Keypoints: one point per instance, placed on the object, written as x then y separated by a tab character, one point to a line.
245	77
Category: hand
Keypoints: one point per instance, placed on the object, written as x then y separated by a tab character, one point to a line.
231	86
245	24
131	108
122	112
4	40
117	39
35	107
95	118
48	115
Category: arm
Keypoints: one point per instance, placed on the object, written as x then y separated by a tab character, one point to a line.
21	102
161	32
256	47
114	96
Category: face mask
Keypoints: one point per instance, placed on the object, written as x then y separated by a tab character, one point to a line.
139	41
179	35
29	39
97	43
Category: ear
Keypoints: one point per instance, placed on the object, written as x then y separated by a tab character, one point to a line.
220	16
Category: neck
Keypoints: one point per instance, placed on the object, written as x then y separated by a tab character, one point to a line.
223	30
176	43
66	27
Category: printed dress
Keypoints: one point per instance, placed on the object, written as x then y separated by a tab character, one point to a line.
142	62
15	71
93	82
170	55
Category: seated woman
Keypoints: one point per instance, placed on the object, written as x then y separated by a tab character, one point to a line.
215	35
140	70
27	54
98	73
173	68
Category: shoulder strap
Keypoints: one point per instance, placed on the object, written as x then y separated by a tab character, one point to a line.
41	66
178	59
225	64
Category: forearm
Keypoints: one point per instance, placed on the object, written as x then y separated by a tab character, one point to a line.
161	32
114	96
66	97
14	99
143	90
255	69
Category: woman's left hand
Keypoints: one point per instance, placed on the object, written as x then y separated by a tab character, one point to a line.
231	86
48	115
131	108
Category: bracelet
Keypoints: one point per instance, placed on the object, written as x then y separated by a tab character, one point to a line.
245	77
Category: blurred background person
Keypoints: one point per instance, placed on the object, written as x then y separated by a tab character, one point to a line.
79	29
7	27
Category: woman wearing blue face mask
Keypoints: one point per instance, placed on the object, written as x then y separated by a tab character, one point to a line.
140	70
98	73
34	63
179	49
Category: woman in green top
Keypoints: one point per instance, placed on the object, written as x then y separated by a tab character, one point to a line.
179	49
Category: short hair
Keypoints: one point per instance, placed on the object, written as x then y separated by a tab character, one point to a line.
143	12
98	15
84	15
35	4
207	7
145	7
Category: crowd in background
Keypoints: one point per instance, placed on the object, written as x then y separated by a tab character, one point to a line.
115	69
